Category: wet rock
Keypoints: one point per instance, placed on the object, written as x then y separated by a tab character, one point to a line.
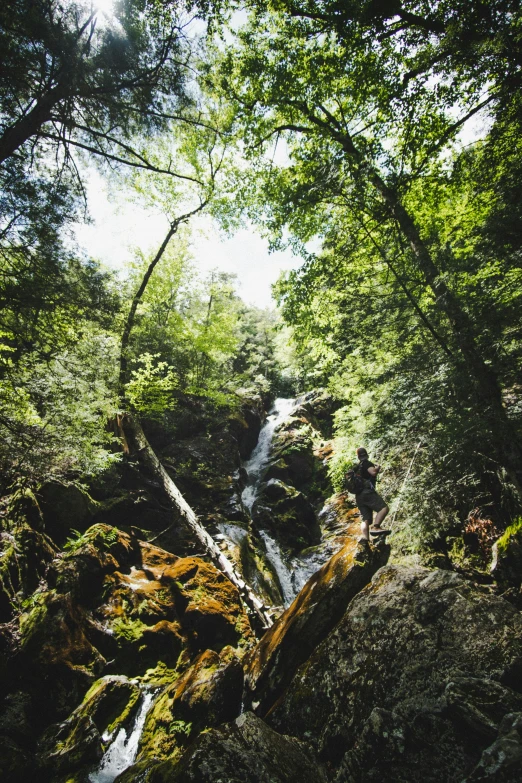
207	694
65	507
287	515
322	406
245	750
209	605
109	705
245	425
417	667
506	566
270	667
277	469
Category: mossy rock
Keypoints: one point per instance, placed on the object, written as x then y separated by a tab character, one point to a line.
110	704
65	506
25	555
243	751
209	605
60	660
506	566
207	694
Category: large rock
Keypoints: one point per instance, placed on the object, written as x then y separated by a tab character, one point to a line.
506	566
413	684
65	507
269	668
109	705
206	694
56	655
287	515
246	751
25	554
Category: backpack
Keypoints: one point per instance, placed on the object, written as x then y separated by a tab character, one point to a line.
353	481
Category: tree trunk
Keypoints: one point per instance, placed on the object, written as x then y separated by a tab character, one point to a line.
29	125
508	451
136	443
129	323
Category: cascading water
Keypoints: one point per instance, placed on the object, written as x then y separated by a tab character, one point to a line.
292	574
121	753
255	466
259	458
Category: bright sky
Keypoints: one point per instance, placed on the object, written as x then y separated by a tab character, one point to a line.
119	226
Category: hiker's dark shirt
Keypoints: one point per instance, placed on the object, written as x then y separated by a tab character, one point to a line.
364	464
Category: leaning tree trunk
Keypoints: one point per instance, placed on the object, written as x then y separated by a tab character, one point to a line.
483	378
135	443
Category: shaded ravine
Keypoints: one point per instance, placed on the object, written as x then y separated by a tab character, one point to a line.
291	573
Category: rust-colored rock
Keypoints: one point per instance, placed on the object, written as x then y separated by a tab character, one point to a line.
419	681
207	694
209	604
269	668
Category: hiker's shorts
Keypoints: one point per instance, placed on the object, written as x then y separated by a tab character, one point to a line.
367	502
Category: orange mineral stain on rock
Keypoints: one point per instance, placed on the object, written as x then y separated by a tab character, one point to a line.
269	668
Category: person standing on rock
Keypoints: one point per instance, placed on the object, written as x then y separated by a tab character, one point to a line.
368	499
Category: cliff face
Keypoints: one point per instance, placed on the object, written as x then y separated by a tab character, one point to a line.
125	655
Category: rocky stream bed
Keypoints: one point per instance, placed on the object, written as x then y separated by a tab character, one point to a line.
126	656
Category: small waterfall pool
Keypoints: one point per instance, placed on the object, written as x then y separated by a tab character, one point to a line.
259	458
121	753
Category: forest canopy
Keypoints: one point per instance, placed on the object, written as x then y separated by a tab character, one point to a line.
385	136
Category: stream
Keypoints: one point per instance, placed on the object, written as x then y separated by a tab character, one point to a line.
121	753
292	574
259	458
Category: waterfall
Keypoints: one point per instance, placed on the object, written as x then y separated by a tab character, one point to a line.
259	458
122	751
276	559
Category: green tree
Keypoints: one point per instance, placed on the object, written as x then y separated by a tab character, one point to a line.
365	100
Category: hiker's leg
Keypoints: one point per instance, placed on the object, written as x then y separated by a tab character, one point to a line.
380	516
365	529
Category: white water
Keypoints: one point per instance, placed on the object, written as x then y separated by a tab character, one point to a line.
276	559
122	751
259	459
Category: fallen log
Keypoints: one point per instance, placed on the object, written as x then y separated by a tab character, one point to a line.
136	444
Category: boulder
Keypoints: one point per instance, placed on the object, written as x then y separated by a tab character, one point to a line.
506	566
287	515
502	761
246	750
109	705
206	694
209	605
271	665
25	554
89	558
422	668
57	659
65	507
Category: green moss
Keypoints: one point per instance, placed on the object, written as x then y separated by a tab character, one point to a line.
101	536
32	621
160	675
131	630
124	715
513	530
